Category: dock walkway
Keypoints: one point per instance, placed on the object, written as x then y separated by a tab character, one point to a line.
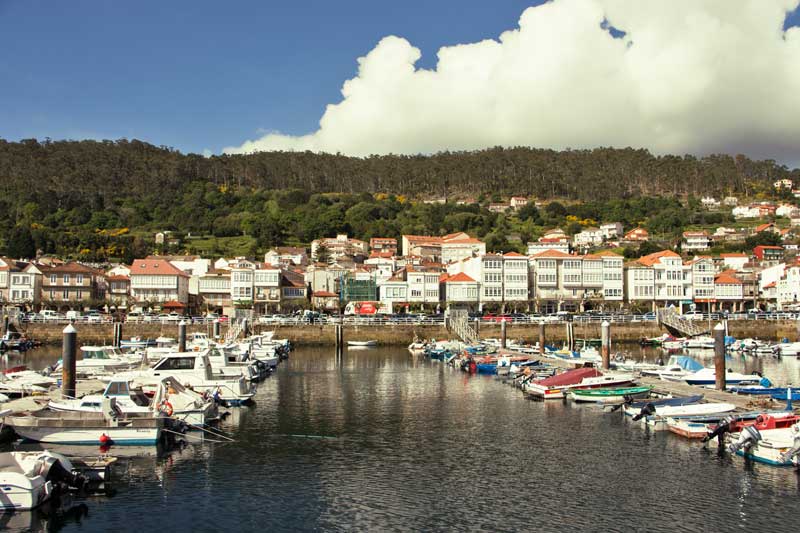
674	388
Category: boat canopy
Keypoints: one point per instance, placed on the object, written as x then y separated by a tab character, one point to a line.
687	363
570	377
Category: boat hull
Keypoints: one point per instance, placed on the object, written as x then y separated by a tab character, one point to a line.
90	436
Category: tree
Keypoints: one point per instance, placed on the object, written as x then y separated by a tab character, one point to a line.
556	209
763	238
323	255
20	243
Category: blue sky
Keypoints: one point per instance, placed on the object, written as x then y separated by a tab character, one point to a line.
198	74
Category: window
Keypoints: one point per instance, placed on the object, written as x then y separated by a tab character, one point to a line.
176	363
66	279
79	279
53	279
65	295
415	293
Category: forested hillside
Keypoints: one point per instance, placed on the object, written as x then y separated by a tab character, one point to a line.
91	198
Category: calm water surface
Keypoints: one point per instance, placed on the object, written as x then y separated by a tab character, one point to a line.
383	441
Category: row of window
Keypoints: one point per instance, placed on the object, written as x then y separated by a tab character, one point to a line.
66	279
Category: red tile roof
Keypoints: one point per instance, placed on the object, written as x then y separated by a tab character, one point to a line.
728	277
652	259
552	254
155	267
460	278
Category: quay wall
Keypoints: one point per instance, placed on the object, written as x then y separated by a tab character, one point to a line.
402	334
104	333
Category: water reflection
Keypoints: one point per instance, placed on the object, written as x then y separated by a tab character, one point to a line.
382	440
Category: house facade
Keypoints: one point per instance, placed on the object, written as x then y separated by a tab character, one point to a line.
156	281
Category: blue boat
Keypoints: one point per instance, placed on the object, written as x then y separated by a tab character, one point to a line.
487	368
783	395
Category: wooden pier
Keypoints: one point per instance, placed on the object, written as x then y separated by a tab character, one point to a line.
674	388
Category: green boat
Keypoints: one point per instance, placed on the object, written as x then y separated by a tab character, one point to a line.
609	395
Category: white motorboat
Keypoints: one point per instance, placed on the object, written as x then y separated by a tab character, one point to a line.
110	426
28	479
100	360
557	386
707	376
362	344
789	348
194	369
170	399
702	342
674	344
677	368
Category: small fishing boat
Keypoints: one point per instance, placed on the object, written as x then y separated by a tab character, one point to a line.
28	479
608	395
555	387
416	347
362	344
777	447
656	416
636	406
707	376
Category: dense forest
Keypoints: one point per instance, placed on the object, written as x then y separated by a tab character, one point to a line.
103	199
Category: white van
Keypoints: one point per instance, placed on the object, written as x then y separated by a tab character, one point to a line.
73	315
48	314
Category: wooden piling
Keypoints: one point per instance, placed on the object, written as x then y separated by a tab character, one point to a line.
182	336
605	347
503	334
541	337
69	352
216	328
719	356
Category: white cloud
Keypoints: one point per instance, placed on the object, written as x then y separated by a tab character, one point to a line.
688	76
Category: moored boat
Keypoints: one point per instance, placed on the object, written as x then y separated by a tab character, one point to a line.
608	395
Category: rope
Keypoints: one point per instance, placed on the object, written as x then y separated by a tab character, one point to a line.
184	435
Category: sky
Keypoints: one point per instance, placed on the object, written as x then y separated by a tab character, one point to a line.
362	77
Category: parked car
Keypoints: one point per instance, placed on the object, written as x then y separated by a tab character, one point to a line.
134	317
94	317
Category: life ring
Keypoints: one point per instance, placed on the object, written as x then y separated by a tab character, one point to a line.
166	408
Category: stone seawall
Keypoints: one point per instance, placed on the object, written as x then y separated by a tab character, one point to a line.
404	334
104	333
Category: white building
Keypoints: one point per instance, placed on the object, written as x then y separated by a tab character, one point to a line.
746	211
728	292
788	288
588	237
696	240
459	289
660	278
709	202
158	281
734	261
703	280
611	230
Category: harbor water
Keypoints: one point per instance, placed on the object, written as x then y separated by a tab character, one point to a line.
385	441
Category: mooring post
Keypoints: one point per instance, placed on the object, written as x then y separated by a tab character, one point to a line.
69	352
182	336
503	333
541	337
605	349
719	356
6	323
478	328
216	328
570	334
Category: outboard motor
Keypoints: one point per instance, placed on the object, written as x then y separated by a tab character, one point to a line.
791	455
722	428
59	474
748	437
647	410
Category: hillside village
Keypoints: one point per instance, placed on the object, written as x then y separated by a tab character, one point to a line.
588	270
